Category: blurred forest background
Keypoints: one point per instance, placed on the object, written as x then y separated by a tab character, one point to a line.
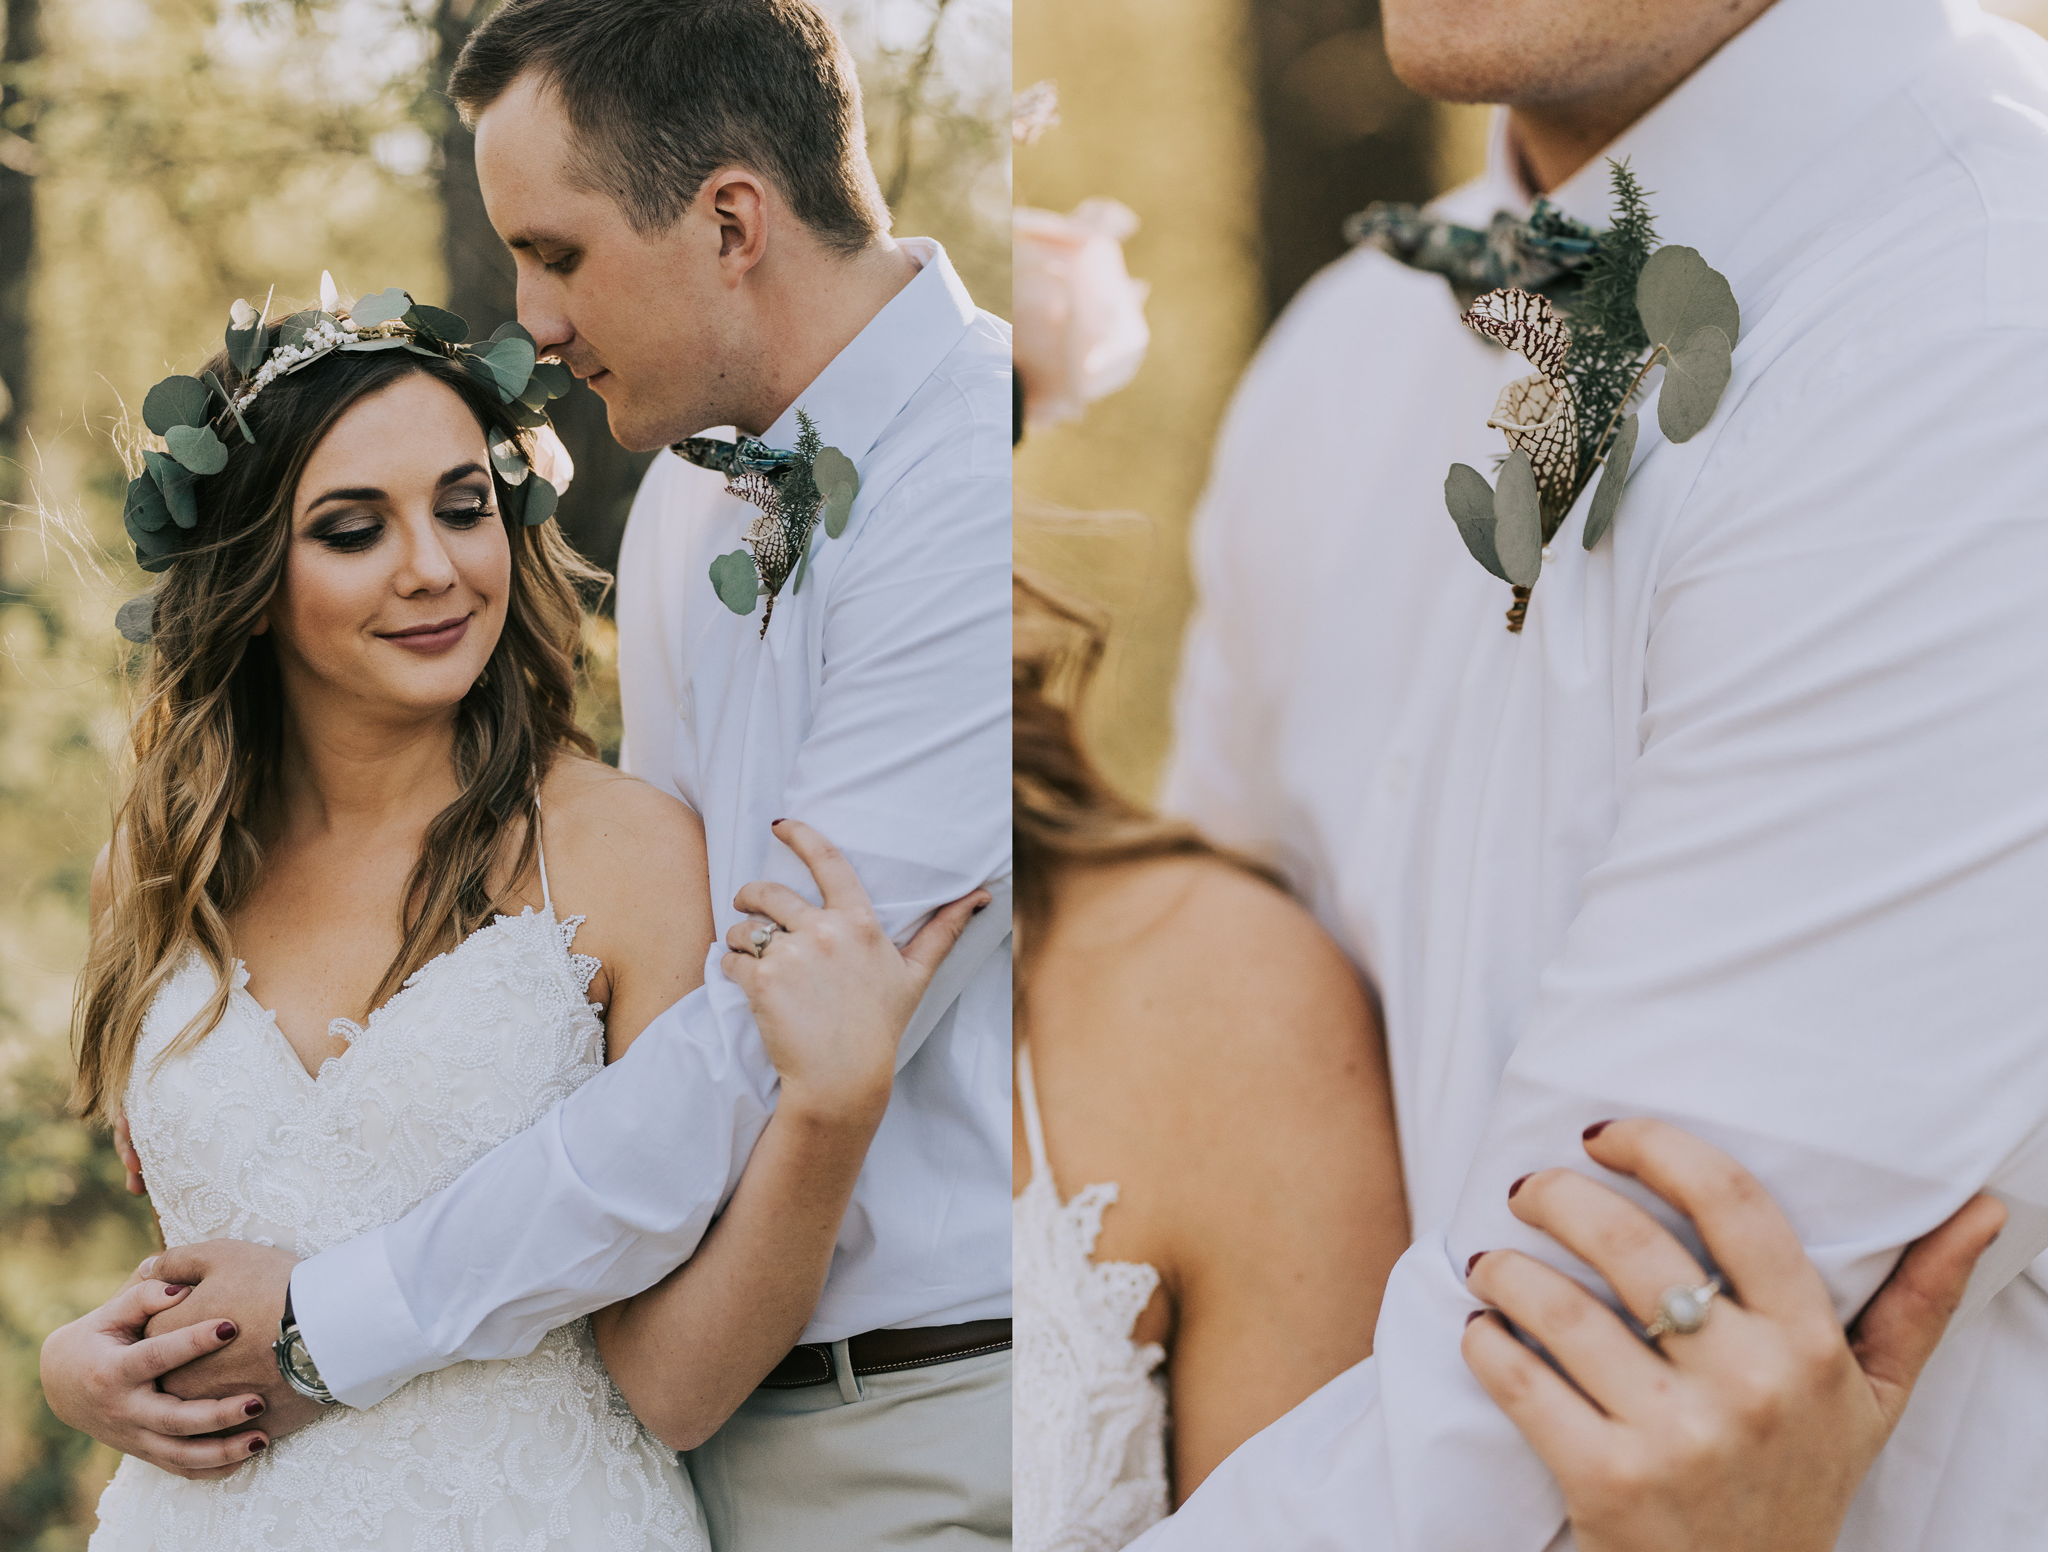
158	159
1242	133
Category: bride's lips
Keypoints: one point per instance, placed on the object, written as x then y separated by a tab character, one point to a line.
428	639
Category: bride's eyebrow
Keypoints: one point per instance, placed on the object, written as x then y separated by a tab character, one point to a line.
371	493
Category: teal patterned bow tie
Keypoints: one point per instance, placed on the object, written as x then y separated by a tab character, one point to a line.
1542	253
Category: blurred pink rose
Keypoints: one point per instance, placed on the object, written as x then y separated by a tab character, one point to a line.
551	460
1080	318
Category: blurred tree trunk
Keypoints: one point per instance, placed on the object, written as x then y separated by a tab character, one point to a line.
481	288
1340	131
18	106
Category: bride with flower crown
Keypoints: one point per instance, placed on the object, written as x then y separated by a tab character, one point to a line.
372	905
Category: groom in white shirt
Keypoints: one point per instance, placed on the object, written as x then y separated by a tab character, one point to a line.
1747	829
699	235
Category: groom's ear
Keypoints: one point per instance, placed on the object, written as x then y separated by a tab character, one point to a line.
739	205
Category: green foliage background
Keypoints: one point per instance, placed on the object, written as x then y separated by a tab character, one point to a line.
187	153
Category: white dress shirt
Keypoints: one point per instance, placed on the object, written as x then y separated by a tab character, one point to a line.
877	709
1748	829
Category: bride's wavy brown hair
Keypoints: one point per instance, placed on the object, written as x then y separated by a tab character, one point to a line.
1064	811
207	734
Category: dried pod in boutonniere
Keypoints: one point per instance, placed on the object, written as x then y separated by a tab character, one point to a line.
798	491
1638	306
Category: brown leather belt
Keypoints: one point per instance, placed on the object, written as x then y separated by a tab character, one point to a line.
883	1352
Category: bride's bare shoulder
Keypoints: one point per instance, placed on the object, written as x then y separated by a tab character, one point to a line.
1198	949
608	824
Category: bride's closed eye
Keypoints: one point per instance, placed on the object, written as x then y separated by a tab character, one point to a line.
349	534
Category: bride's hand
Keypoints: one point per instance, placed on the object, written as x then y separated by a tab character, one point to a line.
1753	1431
830	992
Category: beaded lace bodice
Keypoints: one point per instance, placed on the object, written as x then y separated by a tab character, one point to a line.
238	1140
1089	1450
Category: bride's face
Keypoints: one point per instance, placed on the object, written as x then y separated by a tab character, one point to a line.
396	579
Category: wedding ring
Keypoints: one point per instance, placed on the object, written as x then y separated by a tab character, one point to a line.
1681	1310
759	937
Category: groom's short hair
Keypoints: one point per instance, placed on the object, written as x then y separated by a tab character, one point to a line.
662	93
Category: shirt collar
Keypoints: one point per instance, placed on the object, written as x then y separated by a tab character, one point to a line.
868	382
1740	128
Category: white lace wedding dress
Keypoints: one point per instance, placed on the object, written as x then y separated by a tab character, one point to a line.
1089	1425
238	1140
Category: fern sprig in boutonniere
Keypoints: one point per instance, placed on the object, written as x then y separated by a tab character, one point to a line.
1639	306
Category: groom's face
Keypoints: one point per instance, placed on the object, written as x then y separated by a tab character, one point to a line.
1559	53
642	318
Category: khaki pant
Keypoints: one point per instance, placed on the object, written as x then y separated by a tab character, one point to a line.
917	1459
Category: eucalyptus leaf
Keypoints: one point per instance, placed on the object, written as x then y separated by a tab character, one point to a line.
510	462
838	482
1613	475
364	347
521	416
174	480
736	581
135	618
247	348
1470	499
474	365
425	350
1679	293
197	448
1518	521
511	362
214	382
387	306
558	377
176	401
535	394
449	328
1694	379
144	508
512	328
154	556
541	500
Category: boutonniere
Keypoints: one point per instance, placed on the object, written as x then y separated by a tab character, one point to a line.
797	490
1638	306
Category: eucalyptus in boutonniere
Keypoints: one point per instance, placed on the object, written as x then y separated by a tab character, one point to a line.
1638	306
797	489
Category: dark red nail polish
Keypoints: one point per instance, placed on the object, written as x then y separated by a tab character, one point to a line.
258	1446
172	1290
774	822
1473	1262
1474	1316
253	1408
225	1330
1518	1184
1595	1130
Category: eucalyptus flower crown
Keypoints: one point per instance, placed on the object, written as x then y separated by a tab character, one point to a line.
193	414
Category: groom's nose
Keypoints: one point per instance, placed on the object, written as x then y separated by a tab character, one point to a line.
542	315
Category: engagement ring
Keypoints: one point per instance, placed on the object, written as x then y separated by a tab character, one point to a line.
1682	1311
759	937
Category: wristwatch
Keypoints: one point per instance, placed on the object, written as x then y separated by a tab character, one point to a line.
294	1362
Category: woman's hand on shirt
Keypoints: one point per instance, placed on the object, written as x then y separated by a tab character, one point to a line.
1752	1432
831	994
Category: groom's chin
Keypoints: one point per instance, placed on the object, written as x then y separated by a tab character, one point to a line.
638	432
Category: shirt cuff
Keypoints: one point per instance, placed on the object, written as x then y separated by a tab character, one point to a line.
356	1324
